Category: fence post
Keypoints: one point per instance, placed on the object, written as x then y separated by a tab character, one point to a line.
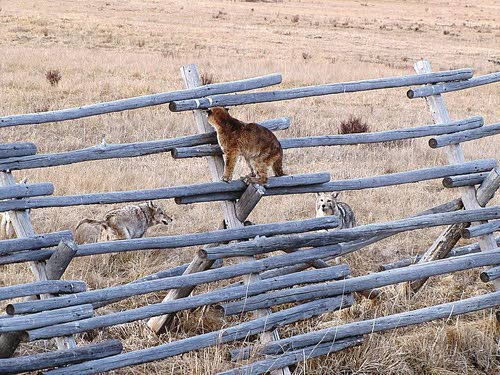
455	155
216	167
23	228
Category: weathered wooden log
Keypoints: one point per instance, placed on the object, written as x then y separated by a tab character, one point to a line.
328	89
26	190
464	136
175	271
355	284
440	248
209	298
291	358
8	150
453	86
490	275
46	318
26	256
490	185
405	262
274	298
171	272
42	287
357	183
24	228
275	273
194	239
176	282
346	139
470	200
228	334
266	245
458	251
464	180
60	357
141	101
126	150
249	200
481	229
59	261
404	319
37	241
162	193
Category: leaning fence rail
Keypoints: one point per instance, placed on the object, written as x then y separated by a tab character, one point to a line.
328	89
140	101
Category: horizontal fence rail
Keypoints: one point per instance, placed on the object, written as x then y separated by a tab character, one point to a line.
41	287
228	334
291	358
46	318
327	89
162	193
140	101
8	150
204	238
36	242
346	139
26	190
490	275
193	239
481	229
126	150
453	86
385	323
464	136
60	357
129	290
357	183
465	180
305	277
458	251
266	245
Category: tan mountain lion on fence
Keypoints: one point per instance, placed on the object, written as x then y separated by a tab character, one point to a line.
122	223
257	144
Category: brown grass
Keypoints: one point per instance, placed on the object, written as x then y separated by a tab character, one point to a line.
118	49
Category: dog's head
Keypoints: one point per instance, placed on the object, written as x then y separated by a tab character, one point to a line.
158	215
326	203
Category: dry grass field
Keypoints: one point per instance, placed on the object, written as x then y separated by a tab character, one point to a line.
112	49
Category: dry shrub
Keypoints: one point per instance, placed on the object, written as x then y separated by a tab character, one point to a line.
295	18
207	78
53	76
353	125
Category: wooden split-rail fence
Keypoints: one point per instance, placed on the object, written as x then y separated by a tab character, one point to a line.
59	309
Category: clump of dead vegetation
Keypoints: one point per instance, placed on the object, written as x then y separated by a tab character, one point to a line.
53	76
352	125
207	78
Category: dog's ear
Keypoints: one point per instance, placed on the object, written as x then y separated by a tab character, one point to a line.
151	204
335	195
226	109
209	112
318	195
